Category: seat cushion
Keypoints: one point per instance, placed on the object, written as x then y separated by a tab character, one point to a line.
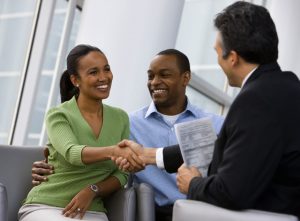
195	210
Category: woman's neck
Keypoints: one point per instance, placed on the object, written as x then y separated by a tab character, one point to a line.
89	106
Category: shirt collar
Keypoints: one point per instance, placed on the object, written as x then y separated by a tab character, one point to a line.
248	76
151	109
189	109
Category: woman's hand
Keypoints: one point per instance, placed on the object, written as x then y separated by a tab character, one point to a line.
130	151
80	203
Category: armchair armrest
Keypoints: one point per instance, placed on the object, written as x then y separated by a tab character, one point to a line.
194	210
121	205
3	203
145	202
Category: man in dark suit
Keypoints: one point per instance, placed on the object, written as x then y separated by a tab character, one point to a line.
256	161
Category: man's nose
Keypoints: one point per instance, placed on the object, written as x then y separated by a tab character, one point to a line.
156	80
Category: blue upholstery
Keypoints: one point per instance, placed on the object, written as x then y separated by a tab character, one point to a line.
3	203
195	210
145	202
15	175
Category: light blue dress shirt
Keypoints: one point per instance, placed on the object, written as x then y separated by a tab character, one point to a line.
148	127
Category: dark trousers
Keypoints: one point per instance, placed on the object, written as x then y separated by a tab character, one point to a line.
163	213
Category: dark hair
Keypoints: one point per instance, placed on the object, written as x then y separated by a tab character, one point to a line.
67	89
183	62
249	30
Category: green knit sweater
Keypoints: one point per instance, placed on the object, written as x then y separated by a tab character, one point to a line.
68	134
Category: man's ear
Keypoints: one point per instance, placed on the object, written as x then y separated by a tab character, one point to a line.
186	78
233	58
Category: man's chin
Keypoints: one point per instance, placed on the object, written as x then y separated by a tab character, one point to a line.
159	102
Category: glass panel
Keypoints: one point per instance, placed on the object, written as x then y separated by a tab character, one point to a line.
202	101
37	117
15	17
233	91
196	38
214	76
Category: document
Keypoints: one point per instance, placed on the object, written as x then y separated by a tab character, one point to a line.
196	140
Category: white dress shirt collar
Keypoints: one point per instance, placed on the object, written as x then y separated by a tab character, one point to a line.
247	77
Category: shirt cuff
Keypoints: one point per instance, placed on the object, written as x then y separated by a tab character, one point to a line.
160	158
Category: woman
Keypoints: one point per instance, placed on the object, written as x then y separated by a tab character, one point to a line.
82	135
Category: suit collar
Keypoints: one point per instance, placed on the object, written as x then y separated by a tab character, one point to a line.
263	68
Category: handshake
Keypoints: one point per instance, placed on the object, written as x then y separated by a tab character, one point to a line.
128	156
133	157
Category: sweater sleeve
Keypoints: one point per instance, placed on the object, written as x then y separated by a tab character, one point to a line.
62	137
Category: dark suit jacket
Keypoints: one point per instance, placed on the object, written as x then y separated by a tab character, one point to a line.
256	161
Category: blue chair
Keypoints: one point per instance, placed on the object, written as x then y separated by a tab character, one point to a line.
3	203
192	210
15	176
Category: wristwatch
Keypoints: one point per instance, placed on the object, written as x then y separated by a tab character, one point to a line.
95	189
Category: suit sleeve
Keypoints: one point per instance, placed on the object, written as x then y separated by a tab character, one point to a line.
247	159
172	158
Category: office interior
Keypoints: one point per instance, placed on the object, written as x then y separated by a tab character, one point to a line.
36	36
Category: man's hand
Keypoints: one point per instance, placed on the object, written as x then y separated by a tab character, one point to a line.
137	148
146	154
40	169
39	172
124	164
184	177
126	156
79	204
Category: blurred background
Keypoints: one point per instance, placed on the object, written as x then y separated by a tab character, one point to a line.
36	36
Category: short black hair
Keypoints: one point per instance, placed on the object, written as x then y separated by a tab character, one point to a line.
182	60
249	30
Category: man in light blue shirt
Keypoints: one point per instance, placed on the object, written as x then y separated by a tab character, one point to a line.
153	126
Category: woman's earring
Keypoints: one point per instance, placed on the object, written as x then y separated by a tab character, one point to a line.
77	85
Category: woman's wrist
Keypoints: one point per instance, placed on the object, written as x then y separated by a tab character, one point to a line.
95	189
112	151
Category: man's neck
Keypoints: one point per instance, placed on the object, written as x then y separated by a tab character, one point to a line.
178	108
243	71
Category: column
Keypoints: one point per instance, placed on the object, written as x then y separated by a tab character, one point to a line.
286	17
130	33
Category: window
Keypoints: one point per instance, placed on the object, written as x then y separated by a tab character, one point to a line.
196	38
30	35
16	18
43	90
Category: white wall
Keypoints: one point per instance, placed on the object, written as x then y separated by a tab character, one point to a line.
286	17
130	33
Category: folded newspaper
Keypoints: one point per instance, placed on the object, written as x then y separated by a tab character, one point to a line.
196	140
